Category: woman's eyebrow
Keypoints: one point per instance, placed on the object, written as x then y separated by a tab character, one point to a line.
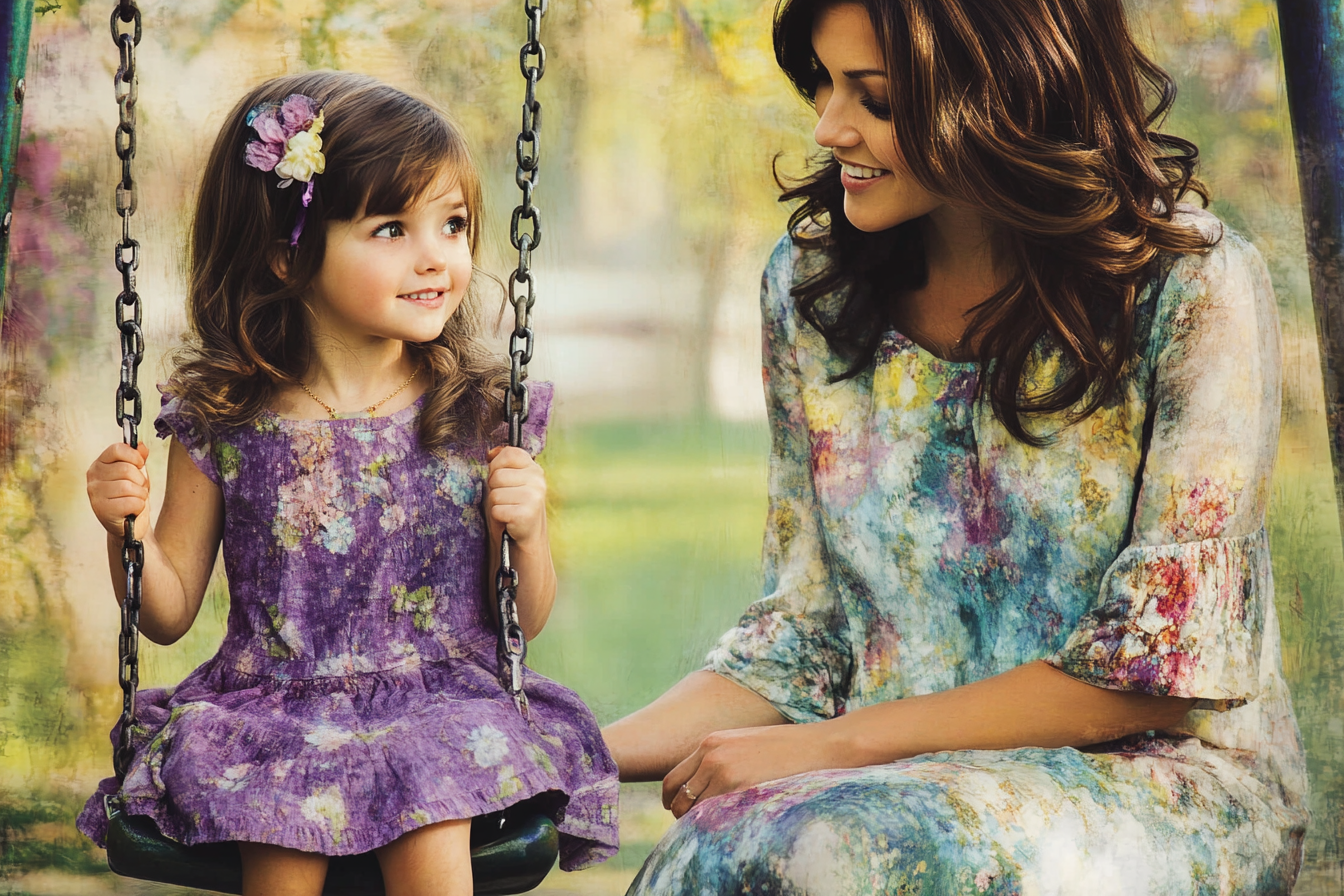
858	74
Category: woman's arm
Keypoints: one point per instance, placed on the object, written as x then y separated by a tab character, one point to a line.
1033	705
648	743
516	498
180	548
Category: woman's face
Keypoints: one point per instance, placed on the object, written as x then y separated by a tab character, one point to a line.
854	122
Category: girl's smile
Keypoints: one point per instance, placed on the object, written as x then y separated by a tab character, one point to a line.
431	299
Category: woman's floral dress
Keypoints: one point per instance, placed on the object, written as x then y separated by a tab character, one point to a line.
355	696
913	546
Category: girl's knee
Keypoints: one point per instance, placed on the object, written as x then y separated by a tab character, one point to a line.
434	860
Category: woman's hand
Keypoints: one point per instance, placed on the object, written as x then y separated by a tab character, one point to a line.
516	497
118	486
727	761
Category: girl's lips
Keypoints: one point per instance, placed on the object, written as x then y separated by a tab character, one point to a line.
860	184
424	299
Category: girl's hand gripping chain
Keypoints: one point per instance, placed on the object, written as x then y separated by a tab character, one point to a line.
515	499
118	486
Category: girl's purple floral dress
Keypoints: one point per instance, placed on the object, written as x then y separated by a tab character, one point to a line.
354	697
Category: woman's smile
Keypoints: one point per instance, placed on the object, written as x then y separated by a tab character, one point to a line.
858	178
854	122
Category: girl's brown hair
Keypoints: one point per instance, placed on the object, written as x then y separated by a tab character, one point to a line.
1041	115
249	328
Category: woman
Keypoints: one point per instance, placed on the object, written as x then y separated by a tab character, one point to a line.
1019	630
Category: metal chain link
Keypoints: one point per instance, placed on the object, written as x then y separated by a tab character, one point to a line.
522	295
126	33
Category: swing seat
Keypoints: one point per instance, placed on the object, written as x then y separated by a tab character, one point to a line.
511	852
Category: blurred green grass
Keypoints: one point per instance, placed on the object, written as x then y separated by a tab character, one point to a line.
657	536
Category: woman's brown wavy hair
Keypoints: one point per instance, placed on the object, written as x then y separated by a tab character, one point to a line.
249	330
1041	115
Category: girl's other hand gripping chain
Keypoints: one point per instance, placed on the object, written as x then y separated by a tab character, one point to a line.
118	486
515	499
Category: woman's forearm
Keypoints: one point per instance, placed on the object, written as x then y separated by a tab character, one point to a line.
1033	705
648	743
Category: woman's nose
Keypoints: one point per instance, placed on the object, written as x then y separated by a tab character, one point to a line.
833	128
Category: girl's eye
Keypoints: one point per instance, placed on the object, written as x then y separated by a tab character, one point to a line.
880	111
391	230
454	226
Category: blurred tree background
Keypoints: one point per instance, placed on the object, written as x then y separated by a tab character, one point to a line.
662	121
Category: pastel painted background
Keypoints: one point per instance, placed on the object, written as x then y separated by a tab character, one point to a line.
662	118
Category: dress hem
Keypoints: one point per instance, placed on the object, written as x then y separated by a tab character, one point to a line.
223	829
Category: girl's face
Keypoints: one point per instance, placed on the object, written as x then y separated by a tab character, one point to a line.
395	276
854	121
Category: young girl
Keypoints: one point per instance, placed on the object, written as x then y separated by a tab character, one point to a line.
1018	633
330	422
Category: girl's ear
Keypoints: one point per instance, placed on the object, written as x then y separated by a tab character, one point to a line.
279	258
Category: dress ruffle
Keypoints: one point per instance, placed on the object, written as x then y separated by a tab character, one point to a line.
213	756
1178	620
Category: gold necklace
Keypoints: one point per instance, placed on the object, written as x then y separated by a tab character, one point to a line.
331	411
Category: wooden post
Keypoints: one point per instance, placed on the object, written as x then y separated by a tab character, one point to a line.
16	26
1313	61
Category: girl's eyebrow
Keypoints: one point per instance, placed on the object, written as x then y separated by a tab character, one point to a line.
858	74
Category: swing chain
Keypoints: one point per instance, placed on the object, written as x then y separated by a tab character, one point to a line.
126	33
522	295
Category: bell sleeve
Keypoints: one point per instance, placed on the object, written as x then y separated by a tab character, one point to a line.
1181	611
176	420
791	646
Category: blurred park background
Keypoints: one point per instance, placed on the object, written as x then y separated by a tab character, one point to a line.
662	120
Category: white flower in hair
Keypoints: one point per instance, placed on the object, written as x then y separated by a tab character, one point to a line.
303	154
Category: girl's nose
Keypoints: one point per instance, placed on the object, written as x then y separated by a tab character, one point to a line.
833	128
433	255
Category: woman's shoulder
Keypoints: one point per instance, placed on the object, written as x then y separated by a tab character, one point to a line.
1224	289
1230	271
797	257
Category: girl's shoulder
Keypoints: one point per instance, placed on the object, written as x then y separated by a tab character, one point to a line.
180	419
540	398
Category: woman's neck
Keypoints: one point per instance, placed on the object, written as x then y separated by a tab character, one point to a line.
963	272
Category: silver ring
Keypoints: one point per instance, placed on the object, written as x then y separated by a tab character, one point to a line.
690	796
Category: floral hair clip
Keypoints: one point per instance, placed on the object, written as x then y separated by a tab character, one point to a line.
288	142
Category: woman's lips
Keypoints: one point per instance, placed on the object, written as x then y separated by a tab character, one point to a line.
853	184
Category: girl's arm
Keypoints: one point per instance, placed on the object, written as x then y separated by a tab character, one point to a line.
1033	705
516	497
180	547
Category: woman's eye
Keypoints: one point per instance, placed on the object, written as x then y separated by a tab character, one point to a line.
880	111
454	226
392	230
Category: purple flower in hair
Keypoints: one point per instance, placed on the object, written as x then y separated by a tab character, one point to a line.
288	142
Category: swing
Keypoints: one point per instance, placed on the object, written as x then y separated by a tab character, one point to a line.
511	851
